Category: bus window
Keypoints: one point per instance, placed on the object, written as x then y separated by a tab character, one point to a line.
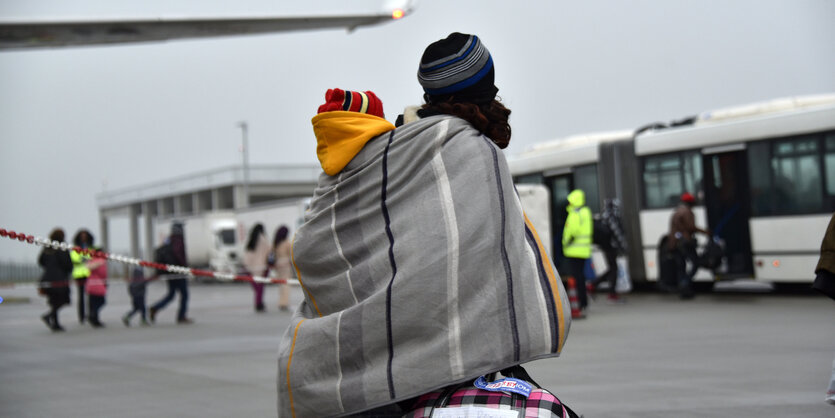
226	237
788	175
666	177
692	174
529	179
585	179
797	175
559	186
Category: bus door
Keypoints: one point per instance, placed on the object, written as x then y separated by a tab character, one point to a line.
726	199
559	184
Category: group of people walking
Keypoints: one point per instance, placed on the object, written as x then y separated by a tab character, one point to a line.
86	265
86	268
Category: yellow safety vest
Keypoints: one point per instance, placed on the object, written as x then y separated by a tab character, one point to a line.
79	263
577	235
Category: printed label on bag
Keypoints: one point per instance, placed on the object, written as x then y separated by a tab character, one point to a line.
508	384
473	412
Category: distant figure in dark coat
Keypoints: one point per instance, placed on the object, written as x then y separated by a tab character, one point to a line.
54	282
682	243
176	283
608	234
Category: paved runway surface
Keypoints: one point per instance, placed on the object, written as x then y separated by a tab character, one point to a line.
721	355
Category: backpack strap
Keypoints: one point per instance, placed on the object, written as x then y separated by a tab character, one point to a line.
519	372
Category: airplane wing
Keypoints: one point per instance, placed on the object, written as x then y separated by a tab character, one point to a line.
51	34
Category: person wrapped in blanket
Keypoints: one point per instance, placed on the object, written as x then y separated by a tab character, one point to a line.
825	283
418	266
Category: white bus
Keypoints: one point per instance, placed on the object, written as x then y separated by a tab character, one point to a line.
763	175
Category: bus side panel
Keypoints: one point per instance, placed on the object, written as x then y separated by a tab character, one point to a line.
787	248
785	268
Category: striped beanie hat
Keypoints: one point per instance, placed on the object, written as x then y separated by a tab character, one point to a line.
352	101
458	68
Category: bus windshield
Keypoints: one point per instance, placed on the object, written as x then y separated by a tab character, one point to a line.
226	236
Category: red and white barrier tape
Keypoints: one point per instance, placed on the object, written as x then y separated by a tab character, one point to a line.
186	271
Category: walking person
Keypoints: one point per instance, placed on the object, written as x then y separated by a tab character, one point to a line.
174	252
80	272
576	243
255	261
96	287
682	243
136	290
54	282
608	234
417	266
281	263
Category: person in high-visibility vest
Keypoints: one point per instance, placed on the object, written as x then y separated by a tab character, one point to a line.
576	242
80	272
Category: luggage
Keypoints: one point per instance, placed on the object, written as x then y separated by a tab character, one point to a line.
623	284
488	397
667	280
712	254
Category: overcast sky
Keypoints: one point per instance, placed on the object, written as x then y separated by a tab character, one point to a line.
75	121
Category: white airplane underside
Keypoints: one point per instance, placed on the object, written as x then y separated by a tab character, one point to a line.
52	34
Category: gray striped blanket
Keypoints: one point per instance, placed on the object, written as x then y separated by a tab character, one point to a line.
419	270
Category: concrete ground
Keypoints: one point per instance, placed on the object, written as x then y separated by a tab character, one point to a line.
720	355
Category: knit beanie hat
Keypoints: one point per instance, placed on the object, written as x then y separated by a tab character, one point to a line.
352	101
458	68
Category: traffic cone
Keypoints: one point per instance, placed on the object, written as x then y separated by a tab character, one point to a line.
575	302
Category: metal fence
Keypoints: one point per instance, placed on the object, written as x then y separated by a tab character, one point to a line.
19	272
11	272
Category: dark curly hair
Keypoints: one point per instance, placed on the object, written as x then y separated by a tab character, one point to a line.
57	234
491	118
83	236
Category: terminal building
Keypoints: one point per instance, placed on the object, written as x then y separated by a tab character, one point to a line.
229	188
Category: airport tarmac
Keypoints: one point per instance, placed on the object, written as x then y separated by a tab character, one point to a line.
720	355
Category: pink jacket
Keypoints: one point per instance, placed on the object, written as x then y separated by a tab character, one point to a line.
97	282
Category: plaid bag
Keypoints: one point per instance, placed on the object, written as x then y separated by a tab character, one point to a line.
484	392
